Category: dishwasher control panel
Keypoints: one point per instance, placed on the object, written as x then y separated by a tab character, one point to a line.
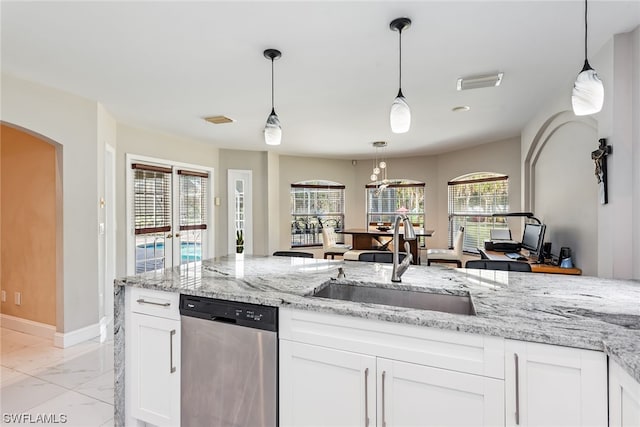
240	313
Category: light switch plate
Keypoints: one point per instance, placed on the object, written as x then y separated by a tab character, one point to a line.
18	298
4	296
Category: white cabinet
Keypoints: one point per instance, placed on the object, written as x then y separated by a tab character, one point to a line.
624	398
325	387
553	385
416	395
321	386
342	371
153	358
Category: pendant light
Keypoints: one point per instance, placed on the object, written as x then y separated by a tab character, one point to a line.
588	92
400	116
272	130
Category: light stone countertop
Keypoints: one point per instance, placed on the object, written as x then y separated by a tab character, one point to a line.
574	311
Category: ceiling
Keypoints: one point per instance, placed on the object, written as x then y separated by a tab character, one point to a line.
167	65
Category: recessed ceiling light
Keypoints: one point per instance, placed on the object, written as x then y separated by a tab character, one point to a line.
461	108
218	120
478	81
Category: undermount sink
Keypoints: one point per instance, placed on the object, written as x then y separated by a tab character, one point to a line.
456	304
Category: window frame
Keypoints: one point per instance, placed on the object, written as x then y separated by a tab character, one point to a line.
477	223
401	184
311	235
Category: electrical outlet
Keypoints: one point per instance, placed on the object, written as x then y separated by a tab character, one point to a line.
4	296
18	298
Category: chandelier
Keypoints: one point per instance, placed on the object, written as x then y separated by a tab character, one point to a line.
379	171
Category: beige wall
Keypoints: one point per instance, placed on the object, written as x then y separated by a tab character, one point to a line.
28	242
255	161
71	122
435	171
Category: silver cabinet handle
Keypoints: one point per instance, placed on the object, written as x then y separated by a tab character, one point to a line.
366	397
172	368
517	388
161	304
384	421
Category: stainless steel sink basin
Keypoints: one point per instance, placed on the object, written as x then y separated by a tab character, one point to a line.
457	304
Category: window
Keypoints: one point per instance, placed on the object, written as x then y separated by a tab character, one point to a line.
314	205
473	199
386	201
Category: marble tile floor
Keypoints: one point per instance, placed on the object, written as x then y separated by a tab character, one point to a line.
44	385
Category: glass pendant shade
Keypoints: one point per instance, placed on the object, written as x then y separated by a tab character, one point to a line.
383	164
588	92
373	177
272	130
376	170
400	116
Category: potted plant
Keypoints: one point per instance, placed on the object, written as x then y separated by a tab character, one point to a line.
239	244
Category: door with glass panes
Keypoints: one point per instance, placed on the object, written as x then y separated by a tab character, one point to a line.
169	215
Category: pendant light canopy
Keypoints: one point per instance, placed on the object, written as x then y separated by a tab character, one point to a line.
400	116
272	130
588	91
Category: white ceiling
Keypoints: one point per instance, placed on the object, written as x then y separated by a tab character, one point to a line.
167	65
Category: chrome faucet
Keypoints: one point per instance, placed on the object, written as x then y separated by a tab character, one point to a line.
409	234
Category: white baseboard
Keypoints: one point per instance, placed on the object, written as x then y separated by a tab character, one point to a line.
64	340
27	326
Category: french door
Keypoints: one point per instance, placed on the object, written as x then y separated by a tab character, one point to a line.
169	214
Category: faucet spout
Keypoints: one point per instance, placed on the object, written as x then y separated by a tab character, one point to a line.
409	234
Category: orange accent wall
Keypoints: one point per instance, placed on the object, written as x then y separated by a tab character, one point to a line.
28	225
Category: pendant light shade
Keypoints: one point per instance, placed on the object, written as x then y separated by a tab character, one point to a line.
400	116
588	91
272	130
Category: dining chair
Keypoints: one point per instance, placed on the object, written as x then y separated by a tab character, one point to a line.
297	254
448	255
484	264
330	243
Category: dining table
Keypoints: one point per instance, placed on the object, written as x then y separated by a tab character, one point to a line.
373	238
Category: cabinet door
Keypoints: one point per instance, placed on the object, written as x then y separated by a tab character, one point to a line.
320	386
624	398
553	385
416	395
155	368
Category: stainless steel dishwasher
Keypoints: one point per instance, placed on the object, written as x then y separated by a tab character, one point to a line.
229	363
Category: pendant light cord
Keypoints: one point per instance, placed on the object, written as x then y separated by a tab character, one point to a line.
400	59
272	108
585	30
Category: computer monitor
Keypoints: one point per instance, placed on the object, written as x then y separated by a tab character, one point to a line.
533	237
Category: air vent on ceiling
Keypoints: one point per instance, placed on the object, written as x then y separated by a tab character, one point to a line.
475	82
218	120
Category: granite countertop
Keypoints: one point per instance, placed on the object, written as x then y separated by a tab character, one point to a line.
574	311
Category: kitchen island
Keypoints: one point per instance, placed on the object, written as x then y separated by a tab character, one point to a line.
578	312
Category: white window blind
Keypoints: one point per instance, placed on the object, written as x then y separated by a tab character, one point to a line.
473	199
193	199
152	198
314	205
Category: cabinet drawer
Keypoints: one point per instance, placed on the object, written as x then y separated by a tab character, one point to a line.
155	303
456	351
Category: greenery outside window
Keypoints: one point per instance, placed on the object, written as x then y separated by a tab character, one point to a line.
314	205
473	199
386	200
